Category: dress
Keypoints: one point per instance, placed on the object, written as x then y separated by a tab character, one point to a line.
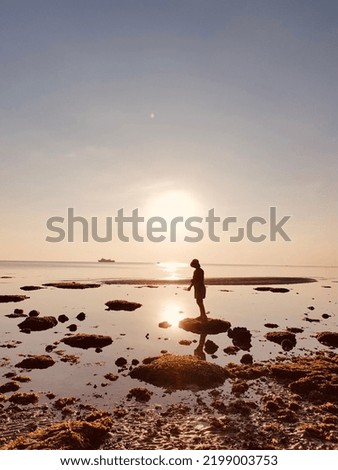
198	283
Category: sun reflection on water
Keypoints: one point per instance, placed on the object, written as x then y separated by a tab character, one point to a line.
173	270
172	312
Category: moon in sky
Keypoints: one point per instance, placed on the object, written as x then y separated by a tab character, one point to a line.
152	115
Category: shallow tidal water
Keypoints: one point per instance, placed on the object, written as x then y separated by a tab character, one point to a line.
136	335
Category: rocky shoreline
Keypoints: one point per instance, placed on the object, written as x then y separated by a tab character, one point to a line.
286	402
282	404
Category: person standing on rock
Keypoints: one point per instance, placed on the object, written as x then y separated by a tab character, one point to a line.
199	287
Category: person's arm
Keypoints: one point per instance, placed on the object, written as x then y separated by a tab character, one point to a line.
192	281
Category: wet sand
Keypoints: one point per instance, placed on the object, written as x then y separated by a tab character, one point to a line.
215	281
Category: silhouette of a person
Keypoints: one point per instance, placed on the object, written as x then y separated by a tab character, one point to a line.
199	288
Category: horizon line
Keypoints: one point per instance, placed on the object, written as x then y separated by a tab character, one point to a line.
158	262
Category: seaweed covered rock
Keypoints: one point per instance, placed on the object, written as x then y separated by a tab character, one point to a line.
9	387
210	347
24	398
180	372
122	305
328	338
86	341
212	326
72	285
36	362
241	337
30	288
140	394
38	323
285	338
87	434
12	298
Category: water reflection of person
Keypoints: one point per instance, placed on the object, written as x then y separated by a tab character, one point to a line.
199	287
198	352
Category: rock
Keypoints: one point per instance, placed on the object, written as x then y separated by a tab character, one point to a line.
63	318
72	327
72	285
49	348
279	290
287	345
185	342
326	315
140	394
122	305
62	402
311	307
16	315
210	347
212	326
24	398
28	288
34	313
271	325
180	372
86	341
9	387
295	330
239	387
246	359
135	362
241	337
110	376
87	434
272	289
328	338
19	311
81	316
38	323
231	350
121	362
312	320
279	336
36	362
12	298
164	324
149	360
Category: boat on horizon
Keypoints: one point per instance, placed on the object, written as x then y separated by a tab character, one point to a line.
106	260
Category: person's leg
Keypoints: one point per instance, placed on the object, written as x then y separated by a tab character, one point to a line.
202	309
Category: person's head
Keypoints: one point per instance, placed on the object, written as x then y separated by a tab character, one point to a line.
195	263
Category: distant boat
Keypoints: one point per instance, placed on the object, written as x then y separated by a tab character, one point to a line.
106	260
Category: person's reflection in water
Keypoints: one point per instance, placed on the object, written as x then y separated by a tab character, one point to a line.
198	352
199	287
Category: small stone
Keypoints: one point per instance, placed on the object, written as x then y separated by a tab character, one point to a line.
81	316
121	362
72	327
34	313
246	359
63	318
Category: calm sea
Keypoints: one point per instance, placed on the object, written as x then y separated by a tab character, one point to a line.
19	272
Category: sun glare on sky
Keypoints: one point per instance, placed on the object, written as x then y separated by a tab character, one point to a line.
174	203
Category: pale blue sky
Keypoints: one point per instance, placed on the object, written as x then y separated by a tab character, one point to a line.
113	104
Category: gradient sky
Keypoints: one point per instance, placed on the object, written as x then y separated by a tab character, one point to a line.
173	107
